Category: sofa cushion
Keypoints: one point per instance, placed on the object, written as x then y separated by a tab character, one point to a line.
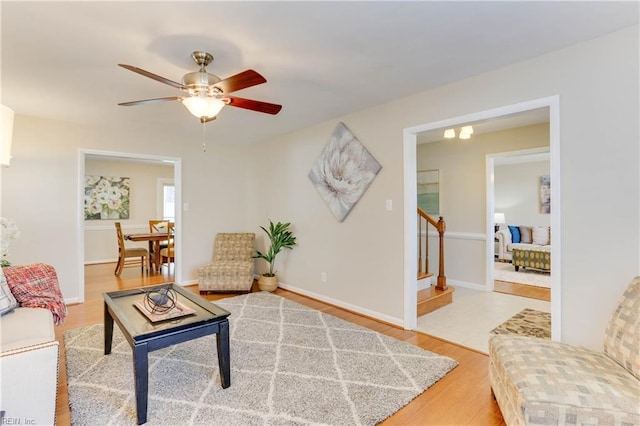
525	234
26	327
7	302
36	286
622	336
515	234
540	235
556	383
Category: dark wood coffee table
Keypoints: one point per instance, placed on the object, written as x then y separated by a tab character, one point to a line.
145	336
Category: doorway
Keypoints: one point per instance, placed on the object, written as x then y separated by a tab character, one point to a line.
516	187
410	138
135	161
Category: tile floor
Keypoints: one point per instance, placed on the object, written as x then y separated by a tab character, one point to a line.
473	314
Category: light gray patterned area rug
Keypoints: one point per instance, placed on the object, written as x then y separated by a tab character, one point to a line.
506	272
290	365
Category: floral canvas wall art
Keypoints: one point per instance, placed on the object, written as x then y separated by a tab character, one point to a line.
343	172
106	197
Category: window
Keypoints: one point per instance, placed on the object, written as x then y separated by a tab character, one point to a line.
167	199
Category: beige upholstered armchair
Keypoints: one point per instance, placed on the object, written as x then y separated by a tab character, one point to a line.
232	266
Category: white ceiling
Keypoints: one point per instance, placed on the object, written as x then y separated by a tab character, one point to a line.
321	59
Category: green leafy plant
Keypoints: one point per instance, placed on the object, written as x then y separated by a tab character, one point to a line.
280	237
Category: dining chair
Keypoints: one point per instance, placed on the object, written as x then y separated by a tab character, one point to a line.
168	253
129	256
157	225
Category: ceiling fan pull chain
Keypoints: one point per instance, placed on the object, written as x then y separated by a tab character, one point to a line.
204	134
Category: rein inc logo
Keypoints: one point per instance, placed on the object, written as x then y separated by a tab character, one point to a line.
15	420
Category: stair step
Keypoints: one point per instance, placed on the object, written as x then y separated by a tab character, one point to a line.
430	299
423	275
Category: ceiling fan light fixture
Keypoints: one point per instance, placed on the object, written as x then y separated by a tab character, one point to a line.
203	106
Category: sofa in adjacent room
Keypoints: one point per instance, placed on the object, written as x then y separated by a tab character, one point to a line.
524	238
31	303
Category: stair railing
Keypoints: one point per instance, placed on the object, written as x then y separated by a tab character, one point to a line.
423	261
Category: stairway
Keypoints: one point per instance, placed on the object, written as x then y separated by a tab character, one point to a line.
431	297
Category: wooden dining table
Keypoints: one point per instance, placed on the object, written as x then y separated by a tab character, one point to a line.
154	239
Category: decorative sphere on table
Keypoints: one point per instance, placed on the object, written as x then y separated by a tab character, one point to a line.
160	300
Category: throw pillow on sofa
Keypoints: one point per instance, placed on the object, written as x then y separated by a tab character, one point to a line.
515	234
540	235
36	286
7	302
525	235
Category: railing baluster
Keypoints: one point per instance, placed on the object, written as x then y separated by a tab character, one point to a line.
419	245
441	226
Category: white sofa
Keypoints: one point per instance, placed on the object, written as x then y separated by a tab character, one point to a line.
505	246
30	305
28	367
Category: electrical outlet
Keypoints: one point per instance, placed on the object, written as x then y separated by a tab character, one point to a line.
323	277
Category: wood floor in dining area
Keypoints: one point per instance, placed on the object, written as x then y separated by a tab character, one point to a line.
462	397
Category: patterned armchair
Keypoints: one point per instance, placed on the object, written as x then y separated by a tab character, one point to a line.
232	266
540	382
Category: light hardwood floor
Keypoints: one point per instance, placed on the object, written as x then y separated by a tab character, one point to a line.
516	289
462	397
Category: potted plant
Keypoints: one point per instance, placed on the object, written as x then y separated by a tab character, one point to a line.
280	238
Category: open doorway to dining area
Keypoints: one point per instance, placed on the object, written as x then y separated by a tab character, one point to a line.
138	194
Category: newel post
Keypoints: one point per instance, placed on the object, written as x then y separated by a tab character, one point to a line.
442	279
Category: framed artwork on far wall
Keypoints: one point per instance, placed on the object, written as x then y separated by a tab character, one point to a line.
429	191
545	194
106	197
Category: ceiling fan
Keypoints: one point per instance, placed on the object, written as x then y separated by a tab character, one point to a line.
206	94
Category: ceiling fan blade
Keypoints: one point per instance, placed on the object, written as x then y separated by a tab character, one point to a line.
253	105
153	76
240	81
151	101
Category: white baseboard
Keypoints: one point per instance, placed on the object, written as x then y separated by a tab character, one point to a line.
472	286
357	309
97	262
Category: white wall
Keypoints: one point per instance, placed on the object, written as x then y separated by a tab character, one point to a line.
232	188
100	244
597	83
40	191
517	193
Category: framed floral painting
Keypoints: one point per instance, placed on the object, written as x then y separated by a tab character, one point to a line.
106	197
343	172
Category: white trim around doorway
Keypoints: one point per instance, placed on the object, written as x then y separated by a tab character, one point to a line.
177	173
410	201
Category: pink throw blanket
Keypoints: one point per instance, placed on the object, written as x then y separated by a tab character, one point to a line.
36	286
